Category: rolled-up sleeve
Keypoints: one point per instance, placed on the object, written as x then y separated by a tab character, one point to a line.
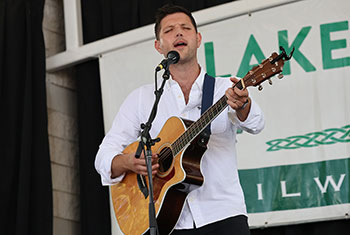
255	121
124	131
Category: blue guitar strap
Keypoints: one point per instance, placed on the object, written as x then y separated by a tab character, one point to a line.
207	101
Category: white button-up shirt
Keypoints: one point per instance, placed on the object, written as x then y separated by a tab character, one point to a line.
221	194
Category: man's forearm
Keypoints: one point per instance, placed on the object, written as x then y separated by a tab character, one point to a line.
118	165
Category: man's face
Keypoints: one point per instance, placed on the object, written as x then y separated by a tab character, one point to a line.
177	33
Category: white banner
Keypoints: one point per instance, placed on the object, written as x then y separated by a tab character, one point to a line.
297	169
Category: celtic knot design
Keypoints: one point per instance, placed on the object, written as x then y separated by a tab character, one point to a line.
325	137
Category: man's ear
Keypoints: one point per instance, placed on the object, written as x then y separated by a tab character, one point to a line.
199	39
157	46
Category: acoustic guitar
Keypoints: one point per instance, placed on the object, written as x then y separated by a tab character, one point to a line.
179	162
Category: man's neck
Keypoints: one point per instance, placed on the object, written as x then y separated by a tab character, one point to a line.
185	75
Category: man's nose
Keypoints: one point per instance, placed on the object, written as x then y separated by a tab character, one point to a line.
179	32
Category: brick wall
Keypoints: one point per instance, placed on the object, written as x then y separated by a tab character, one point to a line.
62	127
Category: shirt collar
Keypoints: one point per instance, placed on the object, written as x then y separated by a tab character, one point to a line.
198	82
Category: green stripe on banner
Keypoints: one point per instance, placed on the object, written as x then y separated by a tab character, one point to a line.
296	186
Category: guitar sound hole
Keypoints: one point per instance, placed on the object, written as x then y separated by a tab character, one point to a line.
165	159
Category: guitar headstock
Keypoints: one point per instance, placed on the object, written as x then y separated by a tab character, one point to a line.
264	71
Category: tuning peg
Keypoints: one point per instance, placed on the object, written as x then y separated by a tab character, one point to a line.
270	82
260	87
280	76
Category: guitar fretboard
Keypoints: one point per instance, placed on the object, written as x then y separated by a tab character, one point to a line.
198	126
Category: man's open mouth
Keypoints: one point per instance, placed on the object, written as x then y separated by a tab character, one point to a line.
180	43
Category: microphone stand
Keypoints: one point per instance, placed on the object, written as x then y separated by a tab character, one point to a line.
147	141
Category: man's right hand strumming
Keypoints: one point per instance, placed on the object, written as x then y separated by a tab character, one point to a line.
122	163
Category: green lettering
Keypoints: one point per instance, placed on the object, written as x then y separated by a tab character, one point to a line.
328	45
298	56
326	182
210	60
253	48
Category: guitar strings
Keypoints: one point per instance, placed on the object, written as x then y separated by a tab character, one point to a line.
194	128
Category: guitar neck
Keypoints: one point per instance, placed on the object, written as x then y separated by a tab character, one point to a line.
258	74
198	126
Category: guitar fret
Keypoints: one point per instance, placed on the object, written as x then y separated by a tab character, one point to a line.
196	127
217	108
207	118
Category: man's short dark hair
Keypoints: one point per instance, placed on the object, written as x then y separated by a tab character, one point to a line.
167	10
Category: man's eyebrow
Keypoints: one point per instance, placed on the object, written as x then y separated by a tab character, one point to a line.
172	25
169	26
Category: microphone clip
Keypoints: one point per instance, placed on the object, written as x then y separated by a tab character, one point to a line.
172	58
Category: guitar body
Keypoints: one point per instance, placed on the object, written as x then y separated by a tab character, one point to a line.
130	205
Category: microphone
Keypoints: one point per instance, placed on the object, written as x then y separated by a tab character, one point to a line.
172	58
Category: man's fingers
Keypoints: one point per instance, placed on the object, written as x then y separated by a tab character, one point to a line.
139	161
141	168
234	79
240	92
233	104
143	171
